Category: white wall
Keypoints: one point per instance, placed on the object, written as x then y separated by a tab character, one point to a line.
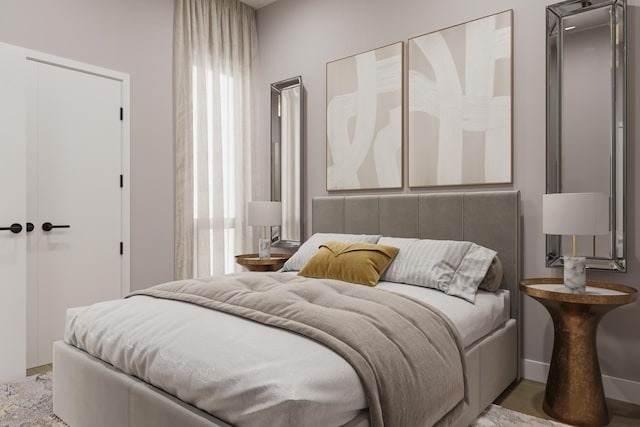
134	37
298	37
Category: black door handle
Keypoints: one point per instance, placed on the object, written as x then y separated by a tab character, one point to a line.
47	226
14	228
30	227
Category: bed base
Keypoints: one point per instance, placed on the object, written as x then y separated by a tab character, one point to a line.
491	369
90	392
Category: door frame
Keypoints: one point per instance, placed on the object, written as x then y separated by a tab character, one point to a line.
32	55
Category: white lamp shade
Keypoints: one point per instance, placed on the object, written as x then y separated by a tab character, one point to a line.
265	213
580	214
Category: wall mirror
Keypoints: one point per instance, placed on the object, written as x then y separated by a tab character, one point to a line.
586	123
287	145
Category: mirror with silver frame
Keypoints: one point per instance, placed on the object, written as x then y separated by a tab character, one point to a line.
287	147
586	119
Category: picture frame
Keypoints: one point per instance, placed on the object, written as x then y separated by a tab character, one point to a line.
460	85
365	120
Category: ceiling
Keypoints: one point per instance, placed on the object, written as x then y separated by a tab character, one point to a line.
257	4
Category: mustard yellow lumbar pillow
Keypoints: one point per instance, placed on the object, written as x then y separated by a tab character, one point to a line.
361	263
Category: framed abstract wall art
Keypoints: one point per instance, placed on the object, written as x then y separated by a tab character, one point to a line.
460	104
364	120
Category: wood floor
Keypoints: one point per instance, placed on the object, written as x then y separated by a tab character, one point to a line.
527	396
39	369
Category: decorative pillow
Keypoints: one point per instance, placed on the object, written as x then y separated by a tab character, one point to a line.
456	268
493	279
310	247
361	263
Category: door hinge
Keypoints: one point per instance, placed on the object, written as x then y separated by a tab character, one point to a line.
121	248
121	113
121	181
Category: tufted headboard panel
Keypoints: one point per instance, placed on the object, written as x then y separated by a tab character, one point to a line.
490	219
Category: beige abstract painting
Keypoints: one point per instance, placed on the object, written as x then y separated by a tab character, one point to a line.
460	104
364	120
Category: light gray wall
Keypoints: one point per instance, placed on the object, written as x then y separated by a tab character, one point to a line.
298	37
133	37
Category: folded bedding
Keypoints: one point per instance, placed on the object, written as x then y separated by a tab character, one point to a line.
248	373
473	322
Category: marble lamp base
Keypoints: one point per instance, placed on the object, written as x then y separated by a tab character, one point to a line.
264	248
575	274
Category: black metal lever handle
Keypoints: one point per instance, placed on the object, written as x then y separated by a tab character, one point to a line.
47	226
14	228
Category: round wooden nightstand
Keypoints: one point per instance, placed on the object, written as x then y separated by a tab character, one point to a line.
252	262
574	393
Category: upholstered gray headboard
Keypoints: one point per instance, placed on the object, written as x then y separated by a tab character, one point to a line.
490	219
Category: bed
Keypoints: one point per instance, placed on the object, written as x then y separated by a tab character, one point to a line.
89	391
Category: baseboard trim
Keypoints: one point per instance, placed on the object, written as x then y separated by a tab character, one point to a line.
614	388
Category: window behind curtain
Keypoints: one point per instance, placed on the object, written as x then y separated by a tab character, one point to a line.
227	163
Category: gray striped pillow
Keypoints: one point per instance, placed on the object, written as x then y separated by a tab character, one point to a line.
453	267
311	246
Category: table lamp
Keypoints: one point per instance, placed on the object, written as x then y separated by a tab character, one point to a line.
265	214
575	214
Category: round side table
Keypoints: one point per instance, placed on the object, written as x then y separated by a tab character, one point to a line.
252	262
574	393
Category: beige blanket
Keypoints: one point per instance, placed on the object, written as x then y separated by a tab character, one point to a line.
407	355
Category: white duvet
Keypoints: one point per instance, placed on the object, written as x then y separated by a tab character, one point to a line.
246	373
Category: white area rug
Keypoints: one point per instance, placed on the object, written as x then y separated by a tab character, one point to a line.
496	415
28	403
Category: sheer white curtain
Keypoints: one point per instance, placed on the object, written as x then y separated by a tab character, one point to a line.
215	48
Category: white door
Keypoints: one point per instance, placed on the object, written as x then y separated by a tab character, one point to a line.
12	211
75	135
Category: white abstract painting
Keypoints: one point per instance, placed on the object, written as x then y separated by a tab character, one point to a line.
460	104
364	120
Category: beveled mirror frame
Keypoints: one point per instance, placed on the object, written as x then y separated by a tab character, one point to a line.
283	171
557	17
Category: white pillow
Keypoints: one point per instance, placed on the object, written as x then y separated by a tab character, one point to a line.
453	267
311	246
